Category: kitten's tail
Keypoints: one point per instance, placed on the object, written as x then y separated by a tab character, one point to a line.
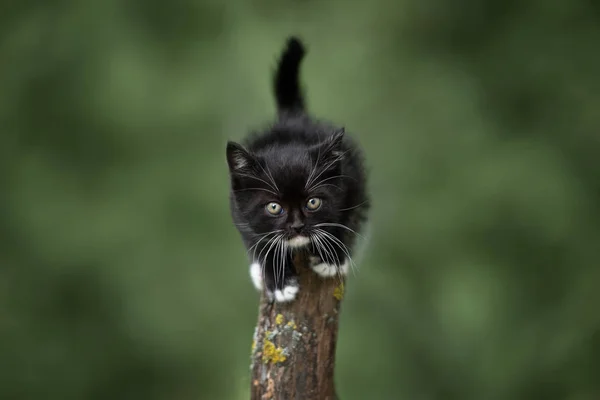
286	82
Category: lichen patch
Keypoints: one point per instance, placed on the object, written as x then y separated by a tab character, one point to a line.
338	292
272	354
292	325
279	319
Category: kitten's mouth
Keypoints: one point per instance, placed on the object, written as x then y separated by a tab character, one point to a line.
298	241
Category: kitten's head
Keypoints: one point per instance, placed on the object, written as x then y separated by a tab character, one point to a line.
288	187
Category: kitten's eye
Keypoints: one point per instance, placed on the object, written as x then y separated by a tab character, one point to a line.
274	208
313	204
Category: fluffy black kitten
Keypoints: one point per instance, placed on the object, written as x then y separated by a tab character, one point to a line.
297	186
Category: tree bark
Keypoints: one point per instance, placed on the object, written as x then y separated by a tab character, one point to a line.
293	351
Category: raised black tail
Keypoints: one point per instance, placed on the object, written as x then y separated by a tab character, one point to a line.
286	82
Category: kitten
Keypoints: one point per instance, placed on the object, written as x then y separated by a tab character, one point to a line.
298	186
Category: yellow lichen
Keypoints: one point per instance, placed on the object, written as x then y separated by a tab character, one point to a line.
338	292
272	354
253	345
279	319
292	325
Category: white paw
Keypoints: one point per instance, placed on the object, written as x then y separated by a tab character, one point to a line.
325	270
328	270
256	275
314	260
288	293
345	267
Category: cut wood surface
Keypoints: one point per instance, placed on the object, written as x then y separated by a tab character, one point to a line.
293	350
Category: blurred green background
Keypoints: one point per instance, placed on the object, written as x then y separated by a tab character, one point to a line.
122	277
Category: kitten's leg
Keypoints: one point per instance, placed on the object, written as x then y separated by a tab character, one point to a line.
257	267
256	275
280	277
329	257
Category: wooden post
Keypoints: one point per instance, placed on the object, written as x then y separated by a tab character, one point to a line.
293	351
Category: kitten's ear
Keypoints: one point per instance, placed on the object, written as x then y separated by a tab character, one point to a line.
336	142
238	157
332	148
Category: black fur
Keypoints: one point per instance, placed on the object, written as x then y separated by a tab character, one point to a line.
296	159
286	82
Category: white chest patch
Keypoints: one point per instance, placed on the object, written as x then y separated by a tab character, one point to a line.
298	241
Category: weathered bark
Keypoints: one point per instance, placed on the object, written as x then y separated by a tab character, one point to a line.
293	351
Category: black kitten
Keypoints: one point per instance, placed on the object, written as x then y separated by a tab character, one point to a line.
298	185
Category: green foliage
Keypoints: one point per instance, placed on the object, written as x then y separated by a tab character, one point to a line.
122	277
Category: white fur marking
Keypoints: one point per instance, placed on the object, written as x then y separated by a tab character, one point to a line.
325	270
345	267
314	260
298	241
328	270
287	294
256	275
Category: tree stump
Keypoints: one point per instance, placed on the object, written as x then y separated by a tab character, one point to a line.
293	351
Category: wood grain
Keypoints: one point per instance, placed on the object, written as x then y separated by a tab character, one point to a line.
293	352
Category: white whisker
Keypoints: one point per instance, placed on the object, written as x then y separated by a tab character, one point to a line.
342	247
274	241
324	184
356	206
339	226
334	256
338	158
262	262
335	260
261	238
321	246
316	244
269	176
282	260
276	263
313	187
258	179
267	246
263	189
314	167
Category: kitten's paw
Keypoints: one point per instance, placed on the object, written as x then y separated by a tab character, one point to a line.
328	270
325	270
256	275
288	292
315	260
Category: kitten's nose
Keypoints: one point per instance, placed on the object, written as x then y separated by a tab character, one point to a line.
297	226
